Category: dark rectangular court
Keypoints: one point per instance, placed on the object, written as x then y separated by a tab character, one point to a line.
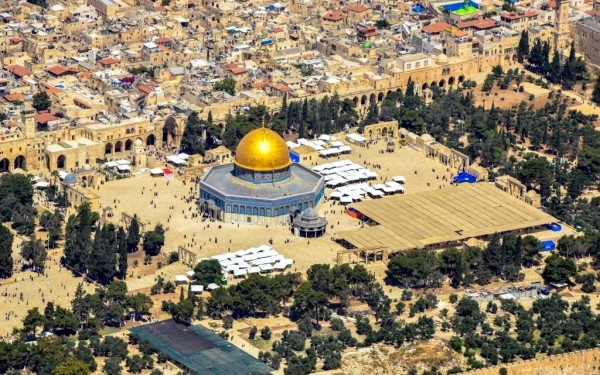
199	350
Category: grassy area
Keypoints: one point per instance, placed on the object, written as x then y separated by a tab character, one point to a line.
261	344
108	331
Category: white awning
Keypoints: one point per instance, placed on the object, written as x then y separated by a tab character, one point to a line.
123	167
157	171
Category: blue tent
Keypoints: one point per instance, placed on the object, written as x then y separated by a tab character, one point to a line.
295	158
547	245
555	227
464	177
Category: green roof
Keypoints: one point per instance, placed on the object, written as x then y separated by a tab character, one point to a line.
467	10
199	350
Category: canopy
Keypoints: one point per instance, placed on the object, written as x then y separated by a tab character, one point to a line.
123	168
123	162
156	171
42	184
175	160
464	177
111	164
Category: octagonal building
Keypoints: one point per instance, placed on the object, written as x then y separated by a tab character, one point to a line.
262	186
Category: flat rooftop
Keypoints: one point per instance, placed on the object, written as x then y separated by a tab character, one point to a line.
436	217
221	180
199	350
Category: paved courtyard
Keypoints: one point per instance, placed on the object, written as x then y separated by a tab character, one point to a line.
172	203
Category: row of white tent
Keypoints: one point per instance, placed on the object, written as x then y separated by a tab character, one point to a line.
334	151
180	159
253	260
343	172
357	192
121	165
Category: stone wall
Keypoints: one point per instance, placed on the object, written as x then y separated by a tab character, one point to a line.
575	363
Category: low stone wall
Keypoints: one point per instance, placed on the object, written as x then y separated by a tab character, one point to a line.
574	363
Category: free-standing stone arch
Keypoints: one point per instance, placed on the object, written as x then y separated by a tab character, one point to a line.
169	131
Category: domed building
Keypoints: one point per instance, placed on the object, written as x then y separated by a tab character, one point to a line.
262	186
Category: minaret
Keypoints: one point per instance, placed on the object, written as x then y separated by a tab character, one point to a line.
561	26
28	120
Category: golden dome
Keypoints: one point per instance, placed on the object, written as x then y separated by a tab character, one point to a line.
262	150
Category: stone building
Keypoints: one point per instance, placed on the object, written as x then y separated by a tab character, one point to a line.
262	186
587	37
29	146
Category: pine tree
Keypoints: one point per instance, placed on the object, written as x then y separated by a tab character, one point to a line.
209	119
133	235
34	252
122	247
191	140
6	261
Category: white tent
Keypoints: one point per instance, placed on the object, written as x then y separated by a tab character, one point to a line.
175	160
253	270
124	168
111	164
156	171
181	279
399	179
212	286
197	288
266	267
42	184
240	272
123	162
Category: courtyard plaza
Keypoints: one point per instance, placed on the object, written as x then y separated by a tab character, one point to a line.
173	204
26	289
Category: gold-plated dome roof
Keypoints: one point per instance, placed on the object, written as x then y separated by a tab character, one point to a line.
262	150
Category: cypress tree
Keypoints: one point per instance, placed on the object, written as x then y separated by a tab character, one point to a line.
6	261
133	235
122	247
596	92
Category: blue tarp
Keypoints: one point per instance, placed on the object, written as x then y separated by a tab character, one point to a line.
265	42
555	227
295	158
547	245
419	8
464	177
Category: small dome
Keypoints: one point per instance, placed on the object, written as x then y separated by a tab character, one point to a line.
70	179
310	213
391	143
262	150
138	142
442	58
